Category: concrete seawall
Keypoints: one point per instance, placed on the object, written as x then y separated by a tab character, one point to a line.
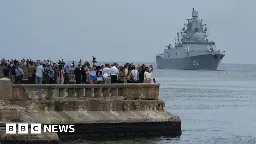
95	109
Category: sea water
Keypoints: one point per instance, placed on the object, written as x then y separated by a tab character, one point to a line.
216	107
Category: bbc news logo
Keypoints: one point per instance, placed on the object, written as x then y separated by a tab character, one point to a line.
37	128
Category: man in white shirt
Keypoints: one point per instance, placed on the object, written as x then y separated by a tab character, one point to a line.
135	74
39	74
114	72
106	74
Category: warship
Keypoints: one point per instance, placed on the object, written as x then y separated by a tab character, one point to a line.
193	51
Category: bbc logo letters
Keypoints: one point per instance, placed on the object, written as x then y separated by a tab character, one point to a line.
11	128
36	128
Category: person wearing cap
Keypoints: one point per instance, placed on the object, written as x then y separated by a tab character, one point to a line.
114	72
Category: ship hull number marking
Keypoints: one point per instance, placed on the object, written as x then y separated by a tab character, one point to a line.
195	63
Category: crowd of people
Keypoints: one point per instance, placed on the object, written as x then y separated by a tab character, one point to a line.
48	72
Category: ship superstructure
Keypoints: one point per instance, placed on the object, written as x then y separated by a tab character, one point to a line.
192	50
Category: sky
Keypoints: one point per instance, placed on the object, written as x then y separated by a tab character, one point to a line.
120	30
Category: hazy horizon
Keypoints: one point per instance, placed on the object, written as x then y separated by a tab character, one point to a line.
132	30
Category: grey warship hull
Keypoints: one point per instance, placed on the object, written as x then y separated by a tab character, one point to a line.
193	50
204	62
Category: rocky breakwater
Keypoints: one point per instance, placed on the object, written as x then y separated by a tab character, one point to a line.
96	110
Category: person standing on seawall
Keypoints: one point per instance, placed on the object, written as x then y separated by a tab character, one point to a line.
66	77
121	75
114	72
106	74
19	74
78	74
13	74
39	73
61	74
84	75
99	75
51	74
135	74
148	74
6	71
31	71
141	73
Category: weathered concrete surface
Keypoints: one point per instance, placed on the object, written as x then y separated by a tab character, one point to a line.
94	109
5	89
76	117
10	113
55	91
91	105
